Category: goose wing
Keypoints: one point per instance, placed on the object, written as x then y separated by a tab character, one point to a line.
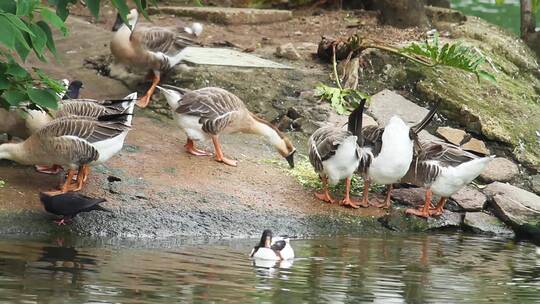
447	155
84	128
90	108
324	143
372	138
159	39
216	107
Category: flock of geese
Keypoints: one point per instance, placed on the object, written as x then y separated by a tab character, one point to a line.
85	132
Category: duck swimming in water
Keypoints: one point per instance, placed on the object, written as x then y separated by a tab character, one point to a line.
272	248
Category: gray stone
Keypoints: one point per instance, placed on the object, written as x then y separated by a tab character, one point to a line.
499	170
454	136
226	15
447	219
228	57
426	136
386	104
287	51
481	222
469	199
516	207
409	196
535	183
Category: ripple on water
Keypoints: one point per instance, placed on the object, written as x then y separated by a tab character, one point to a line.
438	268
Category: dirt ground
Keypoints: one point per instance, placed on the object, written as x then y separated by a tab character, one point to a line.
164	191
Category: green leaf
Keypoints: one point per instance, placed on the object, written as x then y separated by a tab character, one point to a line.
43	97
122	8
39	41
23	49
17	22
14	97
8	6
7	36
4	82
51	17
486	75
24	8
50	40
142	8
17	71
93	6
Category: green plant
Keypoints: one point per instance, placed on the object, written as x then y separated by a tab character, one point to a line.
26	27
454	55
2	183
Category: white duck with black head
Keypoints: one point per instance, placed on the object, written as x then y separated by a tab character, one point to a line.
272	248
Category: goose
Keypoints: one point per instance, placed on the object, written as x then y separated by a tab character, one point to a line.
391	148
272	248
442	169
335	155
68	205
208	112
89	108
72	142
23	123
151	48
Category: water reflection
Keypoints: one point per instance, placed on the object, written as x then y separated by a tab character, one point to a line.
389	269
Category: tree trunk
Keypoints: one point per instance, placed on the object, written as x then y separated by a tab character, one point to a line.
528	20
402	13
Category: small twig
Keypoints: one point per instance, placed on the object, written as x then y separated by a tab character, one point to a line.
334	64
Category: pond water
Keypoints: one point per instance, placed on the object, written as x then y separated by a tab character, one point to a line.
504	13
437	268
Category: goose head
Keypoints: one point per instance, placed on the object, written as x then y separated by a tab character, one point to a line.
172	96
266	239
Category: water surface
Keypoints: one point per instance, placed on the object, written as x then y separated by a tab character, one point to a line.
386	269
504	13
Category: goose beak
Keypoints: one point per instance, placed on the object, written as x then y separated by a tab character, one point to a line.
290	159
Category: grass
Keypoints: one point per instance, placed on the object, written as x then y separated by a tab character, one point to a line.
307	177
2	183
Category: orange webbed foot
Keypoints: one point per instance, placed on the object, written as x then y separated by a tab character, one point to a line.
226	161
347	202
325	197
53	170
418	212
196	152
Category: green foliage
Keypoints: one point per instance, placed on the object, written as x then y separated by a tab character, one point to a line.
342	100
26	27
453	55
2	183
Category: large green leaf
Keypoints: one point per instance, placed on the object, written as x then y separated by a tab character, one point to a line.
25	7
7	36
18	23
141	7
53	19
14	97
8	6
39	41
122	8
16	71
93	6
43	97
4	82
23	49
50	40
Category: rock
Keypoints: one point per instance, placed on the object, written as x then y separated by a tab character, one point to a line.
454	136
396	220
535	183
284	123
447	219
306	47
499	170
293	113
386	104
516	207
476	145
439	3
288	51
426	136
481	222
469	199
409	196
226	15
368	121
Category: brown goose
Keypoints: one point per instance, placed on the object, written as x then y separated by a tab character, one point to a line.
72	142
151	48
208	112
442	169
335	154
392	150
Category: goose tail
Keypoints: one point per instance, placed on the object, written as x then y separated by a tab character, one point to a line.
426	120
355	121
